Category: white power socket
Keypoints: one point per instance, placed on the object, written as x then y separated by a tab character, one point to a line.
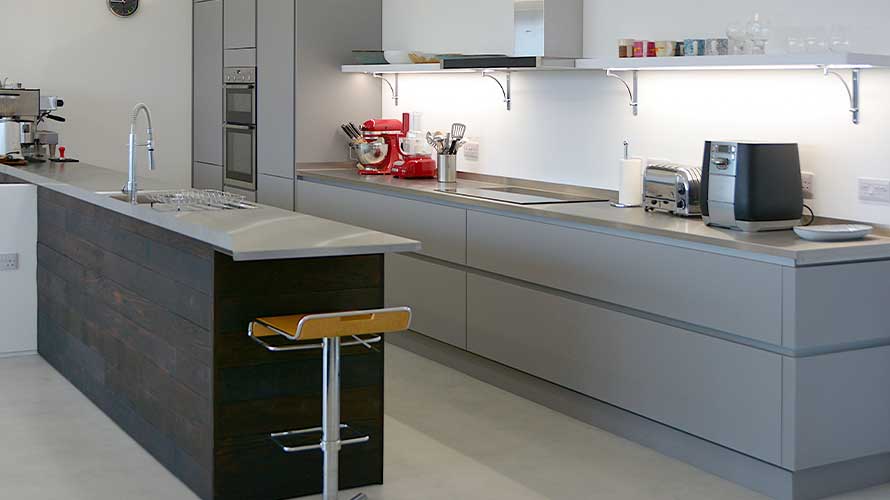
9	262
471	150
874	190
808	180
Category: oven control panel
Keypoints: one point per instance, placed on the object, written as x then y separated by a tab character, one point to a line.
239	75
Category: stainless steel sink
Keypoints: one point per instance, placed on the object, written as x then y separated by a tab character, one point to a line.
520	195
185	199
143	198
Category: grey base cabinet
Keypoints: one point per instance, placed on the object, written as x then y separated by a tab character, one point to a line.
723	392
788	365
442	230
436	293
729	294
275	191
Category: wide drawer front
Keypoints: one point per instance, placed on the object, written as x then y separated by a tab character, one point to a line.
719	292
437	295
441	230
717	390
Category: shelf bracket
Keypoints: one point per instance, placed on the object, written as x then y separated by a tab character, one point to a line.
852	91
392	88
634	92
505	89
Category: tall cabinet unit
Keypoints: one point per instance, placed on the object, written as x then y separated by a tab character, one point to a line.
276	50
302	96
240	22
207	95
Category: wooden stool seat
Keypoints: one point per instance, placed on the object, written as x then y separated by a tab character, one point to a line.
331	325
329	328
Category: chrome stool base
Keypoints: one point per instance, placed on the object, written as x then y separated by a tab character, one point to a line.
329	328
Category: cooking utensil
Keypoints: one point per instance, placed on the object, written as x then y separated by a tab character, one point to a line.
346	130
357	131
458	130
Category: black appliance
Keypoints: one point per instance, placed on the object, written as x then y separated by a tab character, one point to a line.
751	186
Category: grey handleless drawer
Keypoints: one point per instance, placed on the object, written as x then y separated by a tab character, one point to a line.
833	305
437	295
441	230
718	292
721	391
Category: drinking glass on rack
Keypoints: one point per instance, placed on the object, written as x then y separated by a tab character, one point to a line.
736	35
817	41
837	39
796	42
757	35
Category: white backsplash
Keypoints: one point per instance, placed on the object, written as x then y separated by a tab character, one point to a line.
568	127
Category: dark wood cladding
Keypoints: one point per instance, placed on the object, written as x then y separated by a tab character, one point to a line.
151	326
258	392
124	312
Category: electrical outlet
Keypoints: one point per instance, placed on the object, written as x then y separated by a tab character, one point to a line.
471	150
808	179
874	190
9	262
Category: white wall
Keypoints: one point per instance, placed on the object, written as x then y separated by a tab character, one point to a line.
102	66
18	289
568	126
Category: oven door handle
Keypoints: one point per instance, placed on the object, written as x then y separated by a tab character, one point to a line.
239	127
248	86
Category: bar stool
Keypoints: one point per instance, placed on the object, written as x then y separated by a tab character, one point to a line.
329	328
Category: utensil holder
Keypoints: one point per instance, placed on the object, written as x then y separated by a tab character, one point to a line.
447	168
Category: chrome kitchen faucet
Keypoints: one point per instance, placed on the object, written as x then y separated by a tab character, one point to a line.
131	188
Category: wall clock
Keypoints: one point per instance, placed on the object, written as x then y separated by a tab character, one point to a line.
123	8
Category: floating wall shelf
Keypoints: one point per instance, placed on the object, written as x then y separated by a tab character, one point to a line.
489	72
829	64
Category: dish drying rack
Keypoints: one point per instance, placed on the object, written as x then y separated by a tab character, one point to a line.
182	200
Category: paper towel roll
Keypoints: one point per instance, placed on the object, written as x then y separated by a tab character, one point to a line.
631	191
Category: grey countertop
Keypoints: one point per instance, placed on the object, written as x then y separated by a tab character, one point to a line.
263	233
782	247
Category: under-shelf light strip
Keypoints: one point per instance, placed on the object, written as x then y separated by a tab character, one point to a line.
744	67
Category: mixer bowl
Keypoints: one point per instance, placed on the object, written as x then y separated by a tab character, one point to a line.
370	153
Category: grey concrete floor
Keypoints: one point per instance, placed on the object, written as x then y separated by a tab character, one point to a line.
448	437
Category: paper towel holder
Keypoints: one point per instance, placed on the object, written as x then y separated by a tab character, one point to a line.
617	204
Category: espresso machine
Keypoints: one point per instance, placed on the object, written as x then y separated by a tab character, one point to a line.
21	113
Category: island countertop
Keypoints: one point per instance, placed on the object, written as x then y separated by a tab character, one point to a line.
264	233
780	247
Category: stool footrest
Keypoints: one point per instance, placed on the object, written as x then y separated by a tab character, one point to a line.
348	437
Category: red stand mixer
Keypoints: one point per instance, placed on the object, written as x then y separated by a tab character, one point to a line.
382	152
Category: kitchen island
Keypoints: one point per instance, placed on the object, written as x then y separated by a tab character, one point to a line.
146	313
761	358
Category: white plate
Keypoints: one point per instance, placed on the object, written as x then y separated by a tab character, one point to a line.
836	232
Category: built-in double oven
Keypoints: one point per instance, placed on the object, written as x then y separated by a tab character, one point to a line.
239	134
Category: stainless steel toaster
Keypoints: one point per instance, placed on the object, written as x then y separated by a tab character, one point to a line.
671	188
